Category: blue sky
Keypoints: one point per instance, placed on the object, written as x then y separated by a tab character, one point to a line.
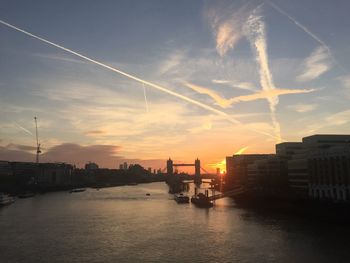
269	71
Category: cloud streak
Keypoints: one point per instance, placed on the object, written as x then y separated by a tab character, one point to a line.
301	108
315	65
264	94
240	151
145	96
307	31
236	84
150	84
255	31
227	23
23	129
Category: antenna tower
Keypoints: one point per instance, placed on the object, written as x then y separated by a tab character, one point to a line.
38	151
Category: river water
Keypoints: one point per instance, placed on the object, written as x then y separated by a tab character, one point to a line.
123	224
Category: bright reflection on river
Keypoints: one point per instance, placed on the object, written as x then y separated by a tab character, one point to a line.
122	224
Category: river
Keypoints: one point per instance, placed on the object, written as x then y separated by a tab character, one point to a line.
123	224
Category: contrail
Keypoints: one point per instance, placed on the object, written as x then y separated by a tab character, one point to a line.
150	84
240	151
255	31
144	94
23	129
307	31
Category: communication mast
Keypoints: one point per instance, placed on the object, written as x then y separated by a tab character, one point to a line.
38	151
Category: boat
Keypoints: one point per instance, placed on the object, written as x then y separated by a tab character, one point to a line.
26	195
148	194
201	200
181	198
77	190
6	199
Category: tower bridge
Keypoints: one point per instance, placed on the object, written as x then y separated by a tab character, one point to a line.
197	167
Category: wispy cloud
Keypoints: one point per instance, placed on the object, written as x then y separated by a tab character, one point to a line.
301	108
152	85
330	120
204	127
171	64
236	84
95	133
255	31
307	31
145	96
345	81
23	129
315	65
242	150
59	57
222	102
227	23
263	94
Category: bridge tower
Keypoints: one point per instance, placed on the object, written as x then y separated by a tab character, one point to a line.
169	167
197	174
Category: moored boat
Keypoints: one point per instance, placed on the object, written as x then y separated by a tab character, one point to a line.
6	199
181	198
77	190
201	200
26	195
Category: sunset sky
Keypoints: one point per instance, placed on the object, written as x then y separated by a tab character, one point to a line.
206	78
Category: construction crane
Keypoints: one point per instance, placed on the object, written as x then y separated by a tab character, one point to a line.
38	151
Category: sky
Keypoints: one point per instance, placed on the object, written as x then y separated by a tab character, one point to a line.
142	81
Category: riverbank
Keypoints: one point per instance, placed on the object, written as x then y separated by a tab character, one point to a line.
314	210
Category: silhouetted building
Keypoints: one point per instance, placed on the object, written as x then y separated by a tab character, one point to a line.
330	173
197	174
5	168
268	176
237	168
169	167
298	168
54	174
91	166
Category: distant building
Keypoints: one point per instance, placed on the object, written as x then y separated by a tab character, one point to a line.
268	176
237	168
318	168
125	166
54	174
91	166
42	174
5	168
286	150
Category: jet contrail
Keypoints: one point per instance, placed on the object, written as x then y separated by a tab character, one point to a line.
255	31
307	31
23	129
144	94
241	151
150	84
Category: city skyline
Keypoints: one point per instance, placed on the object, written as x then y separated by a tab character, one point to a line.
247	75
